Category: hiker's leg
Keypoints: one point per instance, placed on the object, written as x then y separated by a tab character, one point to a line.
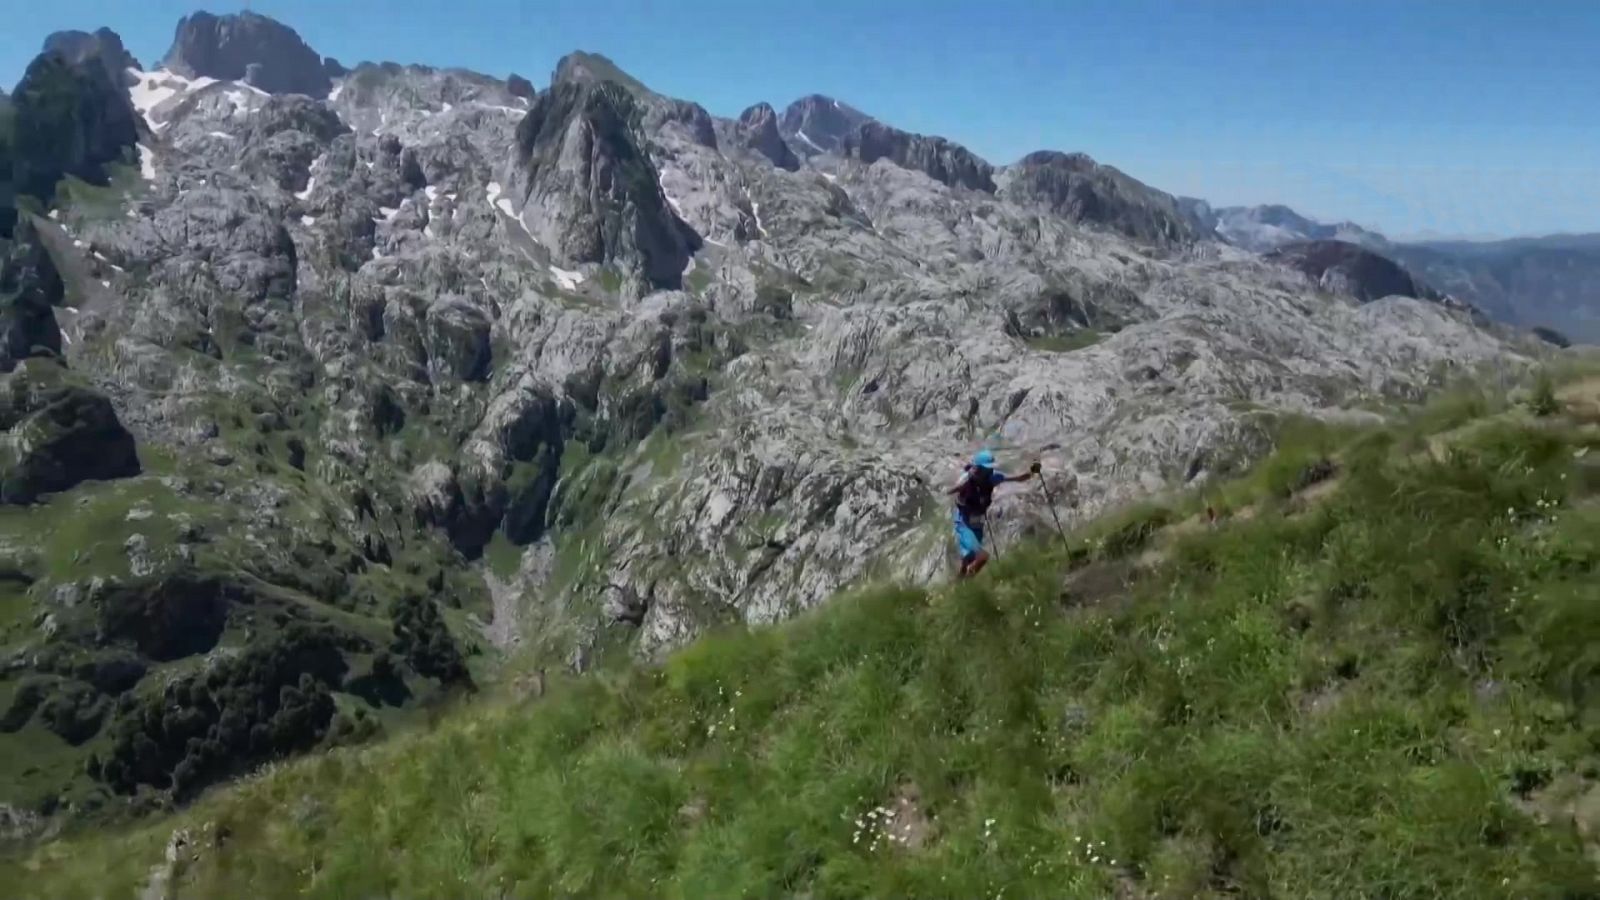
969	544
978	563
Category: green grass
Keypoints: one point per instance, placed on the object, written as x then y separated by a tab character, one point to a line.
698	280
1065	343
1357	697
102	201
503	557
609	279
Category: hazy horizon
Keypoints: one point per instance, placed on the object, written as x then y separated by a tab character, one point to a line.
1410	121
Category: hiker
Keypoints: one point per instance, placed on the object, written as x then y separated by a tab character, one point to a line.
973	494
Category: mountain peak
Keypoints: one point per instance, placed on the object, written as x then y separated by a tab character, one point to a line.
247	47
583	66
819	124
78	46
759	124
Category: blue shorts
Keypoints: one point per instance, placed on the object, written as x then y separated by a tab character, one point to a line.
969	538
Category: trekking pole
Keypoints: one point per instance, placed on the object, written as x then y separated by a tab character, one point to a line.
1050	502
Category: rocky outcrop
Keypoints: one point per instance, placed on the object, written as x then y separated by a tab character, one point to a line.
1076	188
759	127
247	47
521	87
458	340
1344	268
939	159
30	287
818	124
70	118
57	434
584	187
104	46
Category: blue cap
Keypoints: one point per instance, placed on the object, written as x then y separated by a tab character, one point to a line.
983	460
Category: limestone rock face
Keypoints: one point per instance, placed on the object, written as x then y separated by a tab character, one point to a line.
248	47
1076	188
583	185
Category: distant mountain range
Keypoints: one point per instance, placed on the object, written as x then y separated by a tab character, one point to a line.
1548	282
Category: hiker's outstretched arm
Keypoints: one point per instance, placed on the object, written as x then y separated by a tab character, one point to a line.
960	482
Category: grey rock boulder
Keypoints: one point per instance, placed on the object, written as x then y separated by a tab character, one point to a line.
458	340
58	433
247	47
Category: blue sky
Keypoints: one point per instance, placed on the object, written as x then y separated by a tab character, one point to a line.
1456	117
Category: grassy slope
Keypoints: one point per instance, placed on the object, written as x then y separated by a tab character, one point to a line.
1380	689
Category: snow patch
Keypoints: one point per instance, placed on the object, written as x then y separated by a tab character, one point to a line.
718	508
755	211
308	221
106	285
431	192
115	268
306	194
389	212
71	309
66	337
78	244
447	107
338	88
151	89
147	163
568	279
802	136
499	202
55	214
509	110
830	176
220	134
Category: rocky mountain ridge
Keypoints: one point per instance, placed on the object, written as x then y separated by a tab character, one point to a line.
422	370
1545	283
